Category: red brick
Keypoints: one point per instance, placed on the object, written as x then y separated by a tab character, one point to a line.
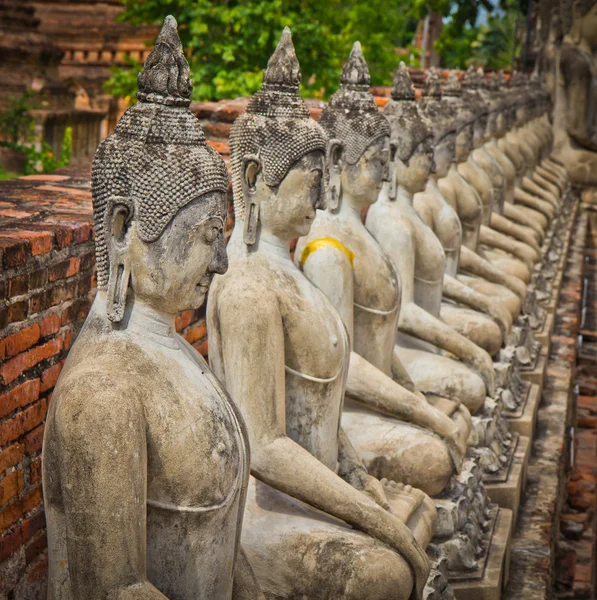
21	395
85	284
229	111
38	278
10	543
17	286
23	422
33	524
202	348
18	311
220	147
14	511
11	456
33	441
38	569
184	319
14	252
39	302
68	340
62	293
35	547
15	366
35	470
20	341
195	334
50	376
64	269
46	177
11	486
87	261
50	325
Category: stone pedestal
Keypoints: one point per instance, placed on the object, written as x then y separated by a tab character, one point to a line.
523	421
493	574
507	493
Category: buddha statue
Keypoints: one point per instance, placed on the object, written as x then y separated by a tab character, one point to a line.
454	190
391	424
317	524
505	252
484	322
529	219
145	456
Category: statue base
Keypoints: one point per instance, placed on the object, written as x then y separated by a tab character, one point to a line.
536	374
487	582
524	419
543	336
508	492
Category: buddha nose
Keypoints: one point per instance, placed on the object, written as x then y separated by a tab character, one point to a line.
219	263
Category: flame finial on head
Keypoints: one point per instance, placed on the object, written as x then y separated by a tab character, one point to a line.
402	88
164	78
433	86
283	70
355	73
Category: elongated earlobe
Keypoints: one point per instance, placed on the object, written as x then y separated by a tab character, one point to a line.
391	172
334	188
118	216
250	169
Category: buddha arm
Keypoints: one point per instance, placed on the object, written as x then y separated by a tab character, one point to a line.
419	323
503	225
472	263
365	382
245	586
253	362
515	214
103	449
495	239
534	188
399	242
459	292
527	199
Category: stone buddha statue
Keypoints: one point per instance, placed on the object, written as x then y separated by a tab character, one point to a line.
342	258
516	226
484	322
529	219
523	137
145	457
504	251
477	270
317	524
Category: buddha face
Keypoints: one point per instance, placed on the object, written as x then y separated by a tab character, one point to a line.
444	154
480	130
288	210
173	273
362	181
413	173
464	141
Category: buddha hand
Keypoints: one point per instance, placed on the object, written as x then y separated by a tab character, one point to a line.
370	486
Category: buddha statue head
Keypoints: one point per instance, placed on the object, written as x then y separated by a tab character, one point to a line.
352	117
463	116
159	194
520	98
412	135
579	21
277	155
444	124
472	82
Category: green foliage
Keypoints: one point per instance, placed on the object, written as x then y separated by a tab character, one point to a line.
497	43
16	121
17	132
230	41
